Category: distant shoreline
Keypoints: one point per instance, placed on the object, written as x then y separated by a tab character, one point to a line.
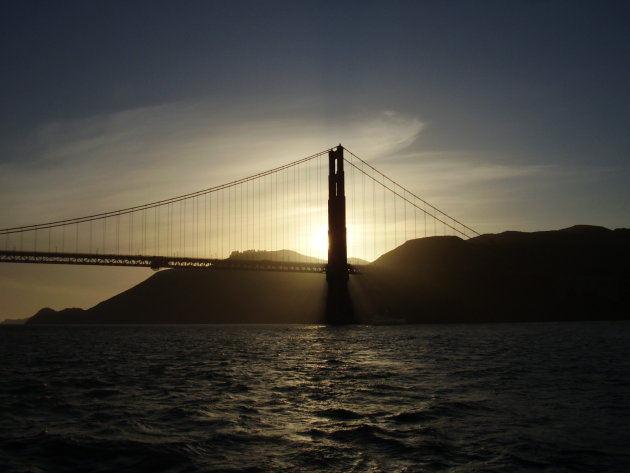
574	274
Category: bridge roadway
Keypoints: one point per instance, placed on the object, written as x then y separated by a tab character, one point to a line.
157	262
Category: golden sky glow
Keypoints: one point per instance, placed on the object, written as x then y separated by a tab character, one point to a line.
498	119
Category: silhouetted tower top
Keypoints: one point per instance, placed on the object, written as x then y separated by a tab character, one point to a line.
337	243
338	306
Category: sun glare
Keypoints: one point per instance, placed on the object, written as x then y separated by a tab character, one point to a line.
319	242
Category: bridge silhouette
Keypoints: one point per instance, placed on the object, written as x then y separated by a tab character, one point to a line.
324	207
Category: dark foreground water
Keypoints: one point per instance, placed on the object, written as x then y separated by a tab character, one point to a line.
456	398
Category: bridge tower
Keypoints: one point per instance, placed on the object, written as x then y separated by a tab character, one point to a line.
338	307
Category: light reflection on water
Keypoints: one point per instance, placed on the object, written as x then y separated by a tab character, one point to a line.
514	397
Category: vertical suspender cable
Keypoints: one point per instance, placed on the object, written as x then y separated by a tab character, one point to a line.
157	230
364	213
373	220
404	215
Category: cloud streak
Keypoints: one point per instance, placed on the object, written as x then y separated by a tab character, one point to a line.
71	168
78	167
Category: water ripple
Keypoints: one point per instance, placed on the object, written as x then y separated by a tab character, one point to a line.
495	398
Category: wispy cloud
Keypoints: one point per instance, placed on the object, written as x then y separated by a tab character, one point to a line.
69	168
383	134
493	192
457	168
72	168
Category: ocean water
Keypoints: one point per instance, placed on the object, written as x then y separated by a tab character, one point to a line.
437	398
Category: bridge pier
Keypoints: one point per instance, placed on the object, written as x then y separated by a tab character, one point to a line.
338	305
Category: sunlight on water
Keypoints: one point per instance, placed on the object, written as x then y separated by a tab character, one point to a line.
496	398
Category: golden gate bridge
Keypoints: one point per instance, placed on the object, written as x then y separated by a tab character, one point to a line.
246	224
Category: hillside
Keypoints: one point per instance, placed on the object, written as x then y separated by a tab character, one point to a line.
572	274
579	273
203	296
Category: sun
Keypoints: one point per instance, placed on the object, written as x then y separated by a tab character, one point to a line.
318	242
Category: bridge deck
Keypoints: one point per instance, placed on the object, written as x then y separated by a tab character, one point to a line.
157	262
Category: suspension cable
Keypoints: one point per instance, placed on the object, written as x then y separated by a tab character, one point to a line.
158	203
411	193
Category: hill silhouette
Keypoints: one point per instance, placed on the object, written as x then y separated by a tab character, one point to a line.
578	273
278	255
285	255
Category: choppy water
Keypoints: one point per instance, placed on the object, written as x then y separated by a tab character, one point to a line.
457	398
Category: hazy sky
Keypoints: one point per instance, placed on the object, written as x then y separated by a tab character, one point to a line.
505	114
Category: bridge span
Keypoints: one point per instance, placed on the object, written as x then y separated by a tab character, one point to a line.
159	262
365	215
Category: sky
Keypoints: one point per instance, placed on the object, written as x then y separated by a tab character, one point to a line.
508	115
